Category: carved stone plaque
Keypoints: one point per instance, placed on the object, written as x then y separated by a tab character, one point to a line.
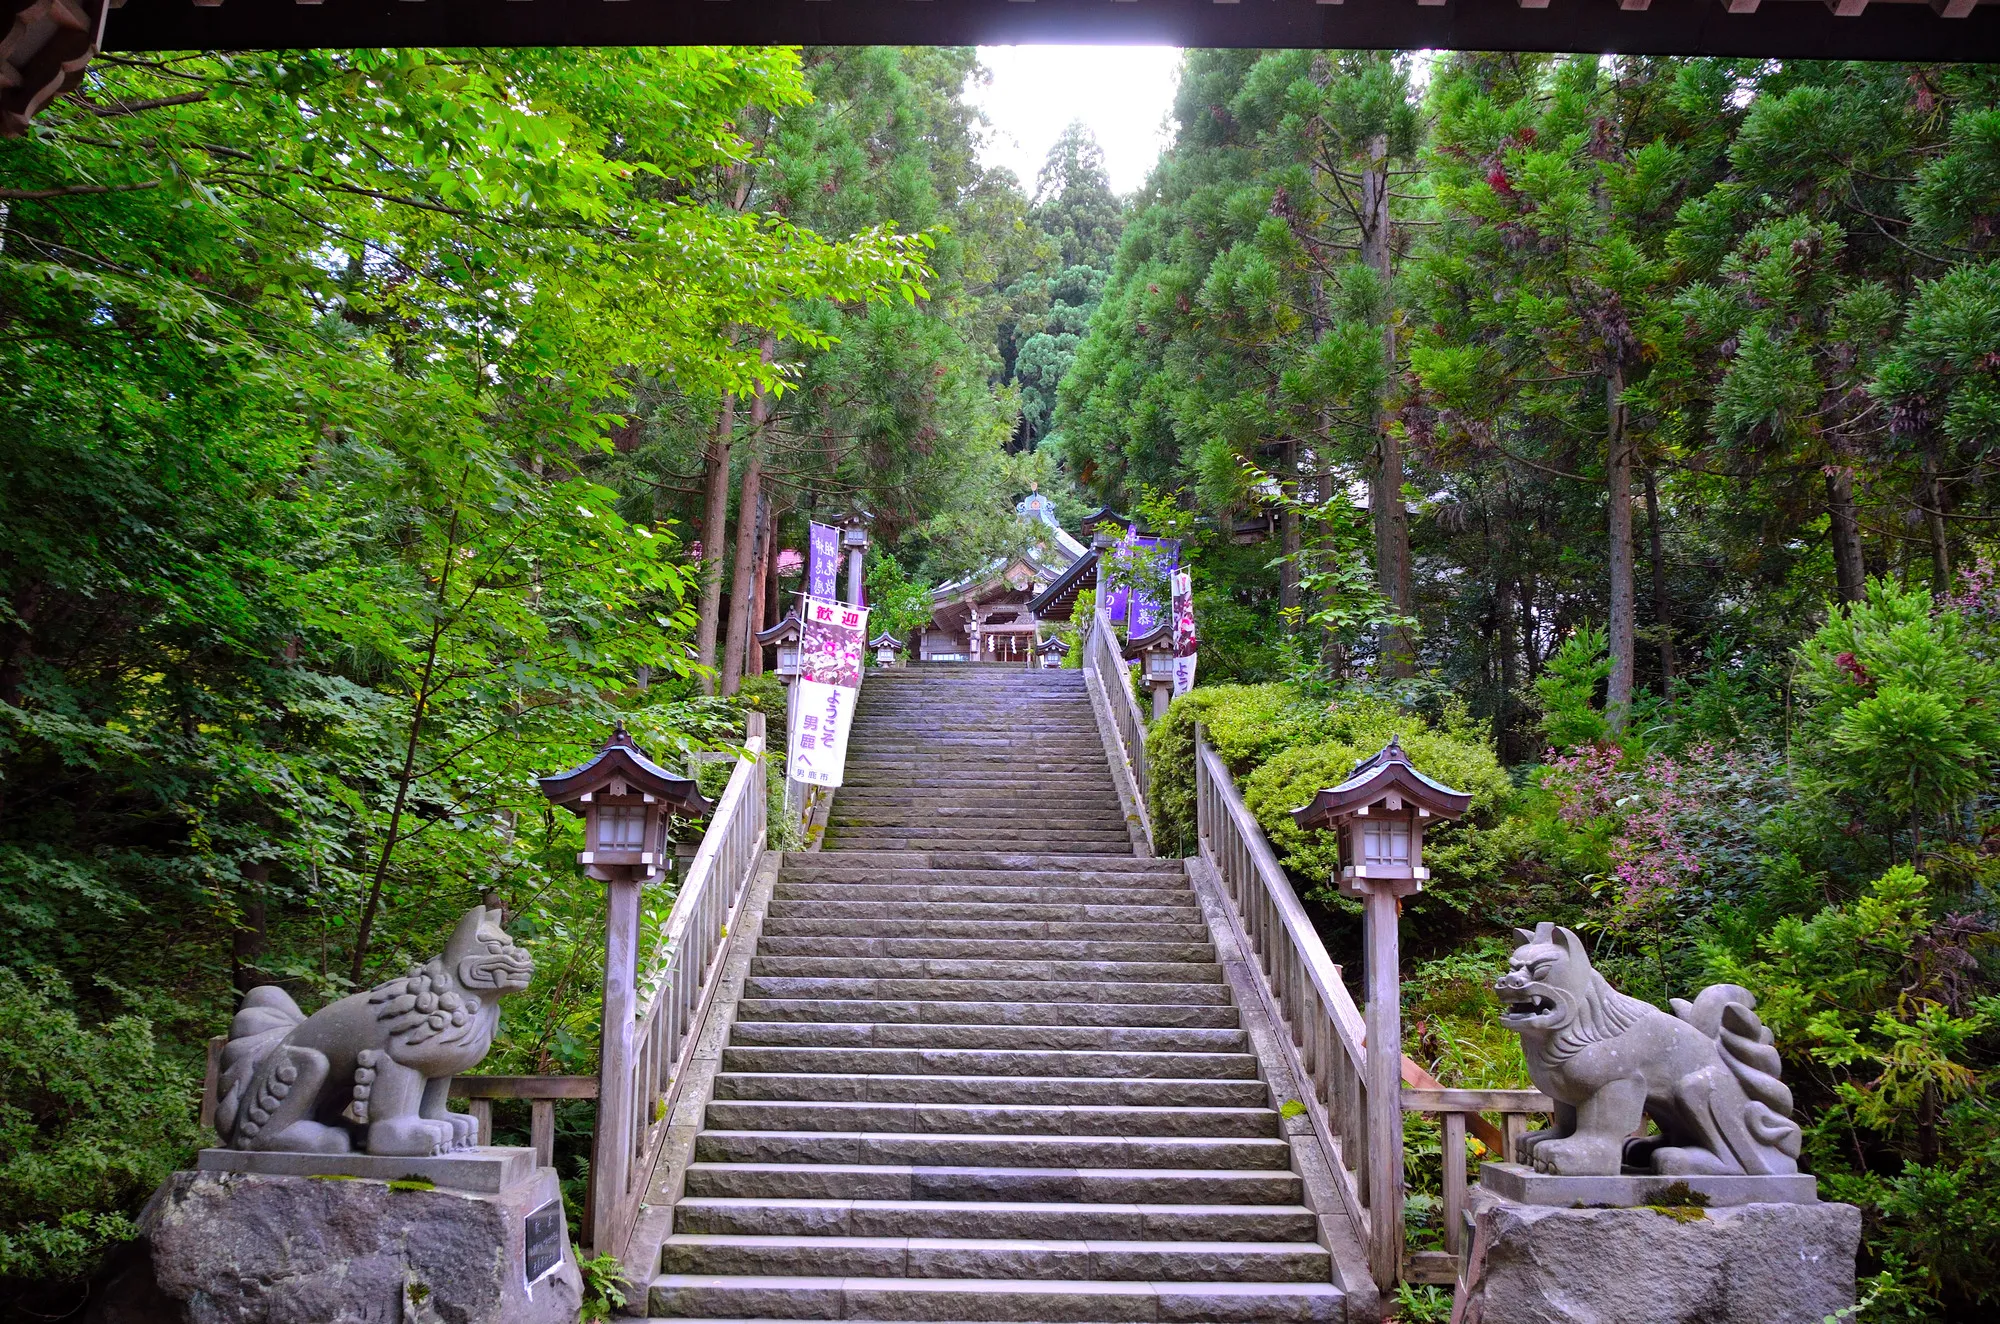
543	1249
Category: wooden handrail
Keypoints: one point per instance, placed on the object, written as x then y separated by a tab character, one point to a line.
1328	1044
676	982
1104	666
1326	1039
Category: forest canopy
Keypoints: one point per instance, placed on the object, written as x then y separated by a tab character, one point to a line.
378	427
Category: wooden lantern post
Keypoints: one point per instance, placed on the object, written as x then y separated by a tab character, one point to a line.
887	648
625	800
1155	651
1380	812
785	635
854	537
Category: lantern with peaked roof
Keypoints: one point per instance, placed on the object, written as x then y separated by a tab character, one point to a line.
887	646
1380	812
1155	651
625	800
785	635
1052	651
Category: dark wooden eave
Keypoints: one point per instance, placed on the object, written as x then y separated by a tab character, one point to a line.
1160	636
1372	781
1058	601
45	46
621	759
786	631
1953	30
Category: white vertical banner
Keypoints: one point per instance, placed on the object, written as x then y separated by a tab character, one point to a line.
1185	642
832	636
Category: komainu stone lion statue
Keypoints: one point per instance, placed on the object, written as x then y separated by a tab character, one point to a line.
377	1063
1707	1075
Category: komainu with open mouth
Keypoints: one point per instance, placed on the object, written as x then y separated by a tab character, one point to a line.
377	1063
1707	1075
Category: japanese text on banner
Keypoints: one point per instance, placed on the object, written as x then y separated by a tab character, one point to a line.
831	640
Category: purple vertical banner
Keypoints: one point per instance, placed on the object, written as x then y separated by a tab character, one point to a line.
1151	555
1120	598
822	561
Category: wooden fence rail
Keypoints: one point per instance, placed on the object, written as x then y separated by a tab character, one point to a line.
1358	1120
1104	666
645	1057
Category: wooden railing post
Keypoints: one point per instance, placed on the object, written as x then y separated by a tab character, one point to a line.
611	1157
1384	1017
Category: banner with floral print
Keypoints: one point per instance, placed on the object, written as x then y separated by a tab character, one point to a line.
832	636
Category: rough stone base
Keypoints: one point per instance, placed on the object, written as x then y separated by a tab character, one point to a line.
1744	1264
1523	1185
236	1248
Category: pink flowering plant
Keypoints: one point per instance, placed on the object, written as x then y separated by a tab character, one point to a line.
1668	832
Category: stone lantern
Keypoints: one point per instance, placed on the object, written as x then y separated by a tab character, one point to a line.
1380	811
625	800
854	537
1155	651
887	646
1051	652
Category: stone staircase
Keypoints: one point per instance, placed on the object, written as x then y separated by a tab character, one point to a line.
959	758
986	1065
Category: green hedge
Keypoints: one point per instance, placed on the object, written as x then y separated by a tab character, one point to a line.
1283	747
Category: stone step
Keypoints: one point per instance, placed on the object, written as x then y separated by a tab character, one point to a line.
917	1011
819	867
990	1151
1009	1219
1011	1119
985	990
916	838
857	1034
944	967
805	925
993	1257
987	949
927	780
1097	1090
914	911
962	1184
1058	861
1048	1301
993	1062
1066	812
960	797
945	889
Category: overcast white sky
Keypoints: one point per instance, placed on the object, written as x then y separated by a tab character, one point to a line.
1122	92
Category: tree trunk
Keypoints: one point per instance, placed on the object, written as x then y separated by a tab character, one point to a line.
1623	628
749	517
753	652
1663	615
714	528
1931	500
250	939
1524	587
745	572
1288	534
1392	521
774	593
1850	573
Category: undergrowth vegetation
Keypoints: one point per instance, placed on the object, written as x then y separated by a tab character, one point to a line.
1831	842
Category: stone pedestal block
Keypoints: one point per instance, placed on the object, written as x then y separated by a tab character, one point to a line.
262	1248
1737	1264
